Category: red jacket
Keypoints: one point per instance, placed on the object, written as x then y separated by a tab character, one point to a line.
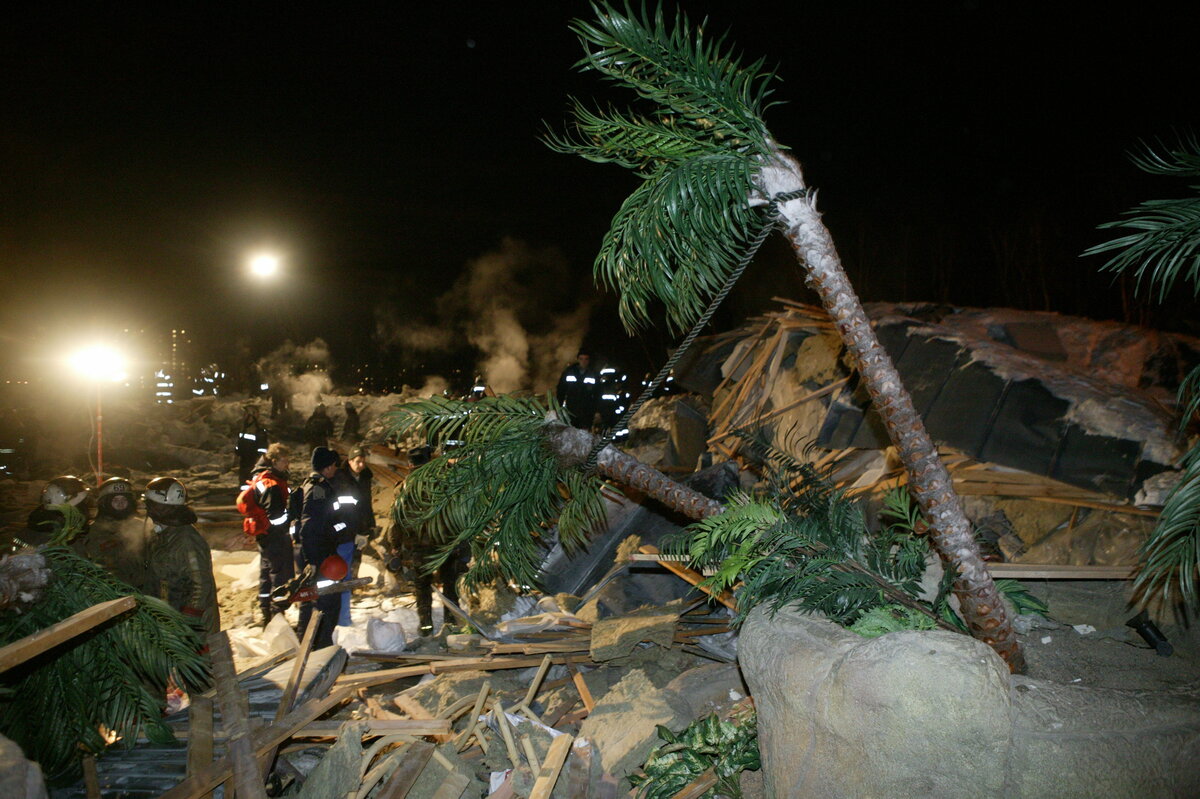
264	502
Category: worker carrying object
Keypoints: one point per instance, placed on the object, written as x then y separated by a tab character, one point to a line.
318	539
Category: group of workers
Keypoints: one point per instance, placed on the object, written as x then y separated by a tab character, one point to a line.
160	554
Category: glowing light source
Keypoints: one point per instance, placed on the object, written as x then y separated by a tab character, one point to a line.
99	363
264	264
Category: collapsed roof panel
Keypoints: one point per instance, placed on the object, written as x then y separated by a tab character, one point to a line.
1004	389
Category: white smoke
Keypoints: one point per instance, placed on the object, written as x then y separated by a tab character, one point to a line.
302	371
516	305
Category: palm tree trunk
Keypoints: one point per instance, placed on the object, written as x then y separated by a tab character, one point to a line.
573	445
928	479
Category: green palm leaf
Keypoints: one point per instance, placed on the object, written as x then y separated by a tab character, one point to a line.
699	148
501	492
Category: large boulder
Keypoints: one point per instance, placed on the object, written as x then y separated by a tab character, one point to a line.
936	714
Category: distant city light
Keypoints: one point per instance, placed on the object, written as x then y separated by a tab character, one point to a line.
264	264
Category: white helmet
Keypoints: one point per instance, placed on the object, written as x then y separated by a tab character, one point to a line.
65	490
166	491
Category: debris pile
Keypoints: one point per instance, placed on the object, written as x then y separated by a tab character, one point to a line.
1059	432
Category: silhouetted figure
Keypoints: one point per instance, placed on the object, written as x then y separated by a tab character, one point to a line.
319	428
579	391
350	426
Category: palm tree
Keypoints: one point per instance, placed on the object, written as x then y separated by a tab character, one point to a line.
1163	248
710	170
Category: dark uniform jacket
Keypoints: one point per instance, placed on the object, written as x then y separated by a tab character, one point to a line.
579	391
179	571
353	498
317	537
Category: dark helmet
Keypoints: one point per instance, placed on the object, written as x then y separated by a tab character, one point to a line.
66	490
418	456
116	498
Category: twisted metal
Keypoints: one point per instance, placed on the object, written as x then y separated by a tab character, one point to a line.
771	219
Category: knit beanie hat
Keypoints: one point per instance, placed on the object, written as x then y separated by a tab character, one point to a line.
322	457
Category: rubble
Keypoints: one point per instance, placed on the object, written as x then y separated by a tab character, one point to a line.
564	691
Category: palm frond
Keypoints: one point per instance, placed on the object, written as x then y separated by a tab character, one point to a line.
115	675
500	492
1170	558
679	235
677	70
1164	246
633	142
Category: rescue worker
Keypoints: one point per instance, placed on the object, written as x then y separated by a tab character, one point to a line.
579	391
178	561
350	426
319	428
45	520
352	486
277	564
318	540
115	539
250	445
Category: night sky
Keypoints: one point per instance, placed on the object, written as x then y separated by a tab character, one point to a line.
964	153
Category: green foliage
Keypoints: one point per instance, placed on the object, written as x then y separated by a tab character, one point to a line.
890	618
697	147
728	747
1164	248
1165	243
1023	602
805	543
114	676
499	491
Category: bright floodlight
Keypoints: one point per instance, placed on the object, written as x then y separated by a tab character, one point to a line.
99	363
264	264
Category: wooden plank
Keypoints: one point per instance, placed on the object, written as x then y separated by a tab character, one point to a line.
293	684
585	694
412	763
327	729
270	736
560	747
1037	571
235	718
371	678
35	644
698	787
693	577
453	787
199	734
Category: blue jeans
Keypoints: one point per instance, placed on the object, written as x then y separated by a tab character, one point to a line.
346	552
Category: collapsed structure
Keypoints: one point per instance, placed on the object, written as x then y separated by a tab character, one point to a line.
1057	450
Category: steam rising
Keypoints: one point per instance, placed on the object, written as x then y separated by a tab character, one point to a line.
302	371
516	305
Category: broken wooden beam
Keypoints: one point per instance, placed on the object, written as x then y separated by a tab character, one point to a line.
691	576
372	678
235	718
412	763
35	644
270	736
547	776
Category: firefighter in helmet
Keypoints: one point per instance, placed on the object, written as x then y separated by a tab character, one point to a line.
115	539
178	561
47	519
